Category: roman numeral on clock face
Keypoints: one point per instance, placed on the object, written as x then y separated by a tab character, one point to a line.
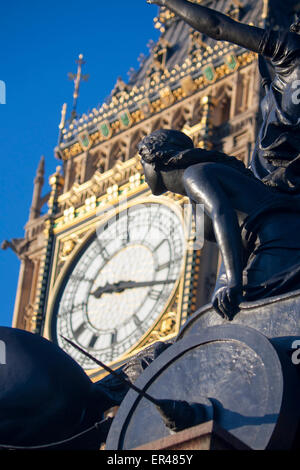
161	267
136	321
79	331
113	338
154	294
93	341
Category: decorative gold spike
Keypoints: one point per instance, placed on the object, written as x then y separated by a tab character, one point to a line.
63	116
77	78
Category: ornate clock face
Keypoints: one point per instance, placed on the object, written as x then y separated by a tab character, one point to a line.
121	283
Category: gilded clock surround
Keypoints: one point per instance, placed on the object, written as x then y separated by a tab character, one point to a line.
70	242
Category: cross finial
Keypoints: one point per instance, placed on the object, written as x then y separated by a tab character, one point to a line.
77	78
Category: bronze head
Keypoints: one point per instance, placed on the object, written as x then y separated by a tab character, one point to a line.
162	150
162	147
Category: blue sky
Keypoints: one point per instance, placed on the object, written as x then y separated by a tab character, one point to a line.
40	42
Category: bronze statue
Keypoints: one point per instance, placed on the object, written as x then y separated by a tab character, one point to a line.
276	159
256	227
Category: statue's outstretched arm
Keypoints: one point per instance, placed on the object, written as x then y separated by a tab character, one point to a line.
214	24
203	187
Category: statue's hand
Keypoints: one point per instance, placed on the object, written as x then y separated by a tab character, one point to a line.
161	3
226	301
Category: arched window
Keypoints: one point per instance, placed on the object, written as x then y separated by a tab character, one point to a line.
117	153
221	112
135	140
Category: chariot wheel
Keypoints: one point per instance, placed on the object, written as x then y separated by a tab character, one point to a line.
252	388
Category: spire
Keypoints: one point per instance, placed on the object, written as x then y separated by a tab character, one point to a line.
37	190
56	182
41	167
62	121
77	79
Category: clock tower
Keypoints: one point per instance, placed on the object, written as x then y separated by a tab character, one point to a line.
108	265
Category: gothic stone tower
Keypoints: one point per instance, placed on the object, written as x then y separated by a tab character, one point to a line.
97	267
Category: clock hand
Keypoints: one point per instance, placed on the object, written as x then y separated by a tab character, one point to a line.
123	285
134	284
107	289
